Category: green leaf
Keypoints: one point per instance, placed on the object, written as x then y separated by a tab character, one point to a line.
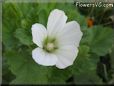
84	68
82	62
8	38
23	36
43	17
100	39
59	76
25	69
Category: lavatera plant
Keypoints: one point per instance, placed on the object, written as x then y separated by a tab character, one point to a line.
58	44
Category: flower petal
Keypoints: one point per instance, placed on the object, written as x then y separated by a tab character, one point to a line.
66	56
56	21
39	33
43	58
70	35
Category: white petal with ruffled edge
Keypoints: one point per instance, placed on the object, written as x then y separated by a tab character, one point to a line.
56	22
39	33
66	56
70	35
43	58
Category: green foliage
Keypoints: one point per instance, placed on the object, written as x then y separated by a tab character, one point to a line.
103	39
23	36
17	40
26	71
100	39
112	59
84	69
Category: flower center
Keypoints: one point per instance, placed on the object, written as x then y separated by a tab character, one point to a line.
50	45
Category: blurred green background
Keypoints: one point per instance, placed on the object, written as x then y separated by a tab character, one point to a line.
95	61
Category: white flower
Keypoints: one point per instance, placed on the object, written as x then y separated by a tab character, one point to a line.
58	44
